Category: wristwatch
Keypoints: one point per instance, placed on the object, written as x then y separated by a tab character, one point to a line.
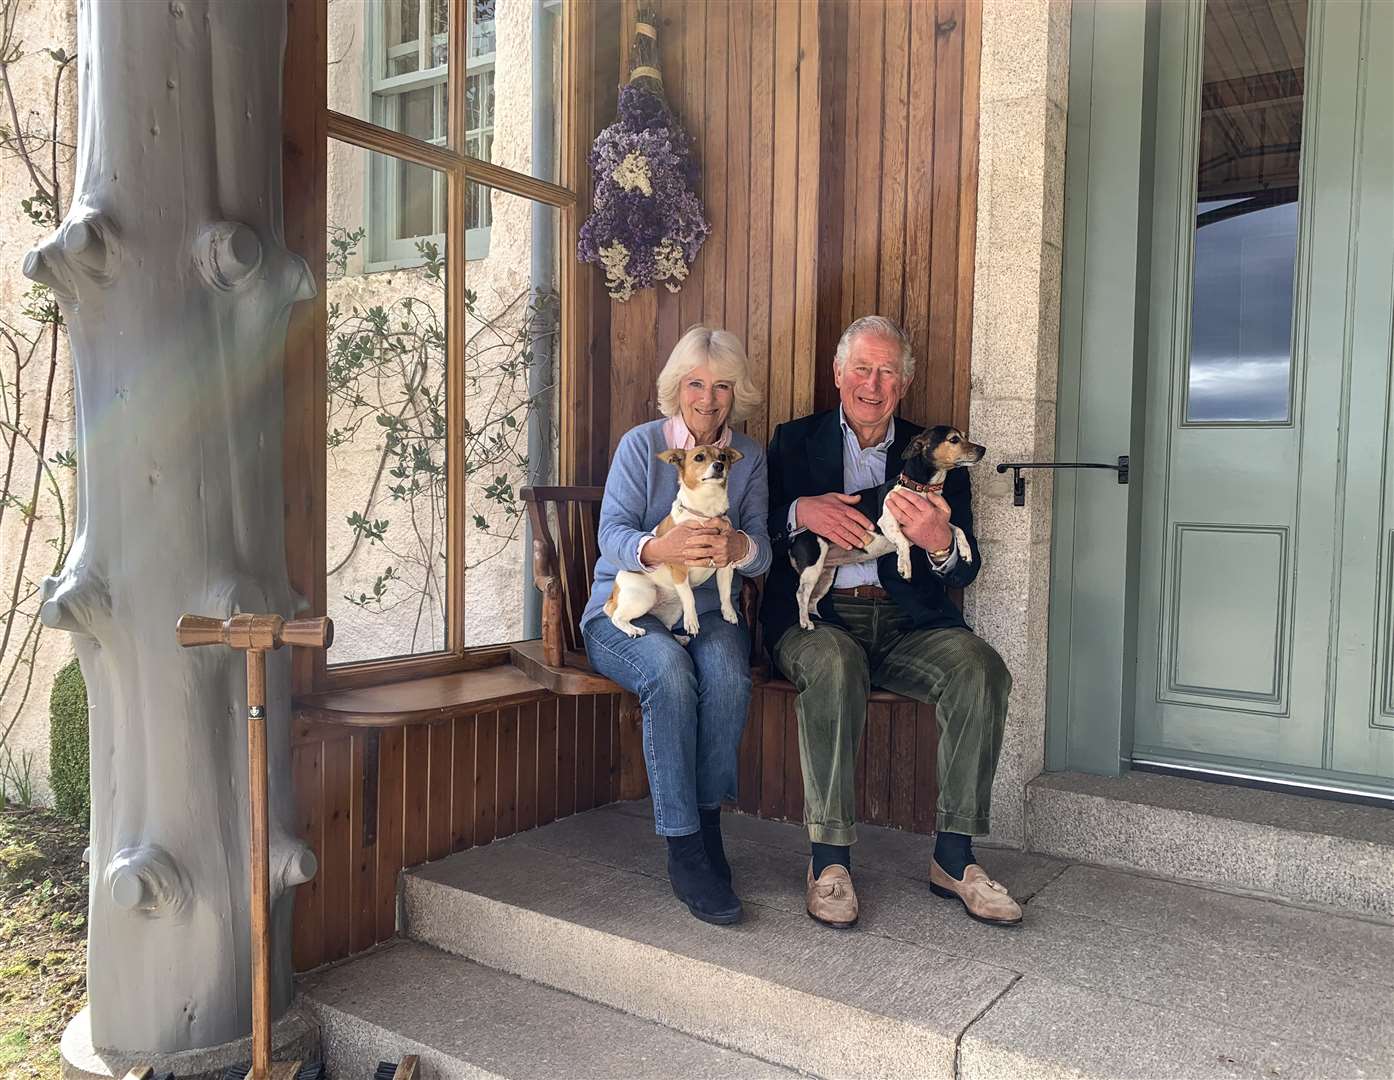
941	554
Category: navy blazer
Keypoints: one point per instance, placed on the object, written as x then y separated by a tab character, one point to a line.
805	458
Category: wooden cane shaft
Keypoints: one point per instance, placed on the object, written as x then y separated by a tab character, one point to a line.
261	865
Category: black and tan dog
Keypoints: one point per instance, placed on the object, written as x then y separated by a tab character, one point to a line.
928	459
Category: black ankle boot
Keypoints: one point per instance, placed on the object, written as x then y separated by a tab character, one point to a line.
711	841
696	884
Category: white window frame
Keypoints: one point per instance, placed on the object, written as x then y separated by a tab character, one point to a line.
386	251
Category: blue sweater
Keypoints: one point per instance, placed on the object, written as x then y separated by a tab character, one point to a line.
639	493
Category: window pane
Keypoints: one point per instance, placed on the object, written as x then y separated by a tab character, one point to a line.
511	433
510	91
415	211
1247	211
483	26
377	53
386	470
418	113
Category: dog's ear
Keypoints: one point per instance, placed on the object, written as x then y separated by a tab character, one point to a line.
673	457
734	455
918	445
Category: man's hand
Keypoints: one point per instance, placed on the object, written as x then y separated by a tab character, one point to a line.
832	517
726	547
685	543
924	519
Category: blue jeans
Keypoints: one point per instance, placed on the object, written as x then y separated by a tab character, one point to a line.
694	699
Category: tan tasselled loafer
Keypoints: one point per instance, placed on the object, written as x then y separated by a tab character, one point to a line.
984	899
831	898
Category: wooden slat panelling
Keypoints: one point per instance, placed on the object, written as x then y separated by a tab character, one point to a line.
760	206
606	716
902	752
527	767
784	220
391	768
441	773
689	99
876	749
486	758
566	756
307	939
838	142
506	781
738	106
585	752
714	176
462	786
772	755
895	105
336	860
363	884
370	802
546	761
415	793
805	292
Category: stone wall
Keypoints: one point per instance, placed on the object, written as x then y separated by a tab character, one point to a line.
41	25
1016	317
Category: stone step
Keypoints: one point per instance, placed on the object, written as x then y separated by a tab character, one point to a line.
1110	975
467	1021
1321	853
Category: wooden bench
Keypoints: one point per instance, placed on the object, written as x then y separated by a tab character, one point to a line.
565	522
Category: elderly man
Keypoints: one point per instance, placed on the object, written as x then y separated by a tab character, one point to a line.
877	629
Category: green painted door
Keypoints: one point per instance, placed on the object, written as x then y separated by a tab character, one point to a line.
1266	572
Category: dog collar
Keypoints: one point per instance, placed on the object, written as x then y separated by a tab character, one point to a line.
914	485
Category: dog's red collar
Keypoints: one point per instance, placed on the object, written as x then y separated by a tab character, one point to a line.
914	485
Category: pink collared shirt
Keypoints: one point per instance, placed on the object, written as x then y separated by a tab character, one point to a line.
678	436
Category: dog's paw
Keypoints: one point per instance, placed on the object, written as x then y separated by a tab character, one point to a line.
903	568
691	626
634	631
731	617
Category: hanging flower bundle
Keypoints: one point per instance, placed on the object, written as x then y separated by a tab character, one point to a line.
646	223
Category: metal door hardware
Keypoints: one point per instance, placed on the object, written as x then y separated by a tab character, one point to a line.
1019	481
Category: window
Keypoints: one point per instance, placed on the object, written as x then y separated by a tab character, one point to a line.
444	346
409	95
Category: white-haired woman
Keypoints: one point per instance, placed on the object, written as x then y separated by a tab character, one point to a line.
694	697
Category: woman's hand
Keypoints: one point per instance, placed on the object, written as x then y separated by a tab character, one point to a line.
727	546
683	543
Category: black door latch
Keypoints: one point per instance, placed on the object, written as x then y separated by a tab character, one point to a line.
1019	481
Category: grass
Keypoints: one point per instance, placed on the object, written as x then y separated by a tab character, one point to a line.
43	938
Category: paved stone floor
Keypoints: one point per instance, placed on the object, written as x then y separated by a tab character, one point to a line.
1110	975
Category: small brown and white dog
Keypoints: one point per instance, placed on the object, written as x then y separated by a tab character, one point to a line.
666	590
928	458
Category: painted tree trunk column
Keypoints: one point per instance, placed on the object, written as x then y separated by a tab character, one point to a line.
173	275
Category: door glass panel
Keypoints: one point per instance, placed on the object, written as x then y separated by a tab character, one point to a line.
1246	211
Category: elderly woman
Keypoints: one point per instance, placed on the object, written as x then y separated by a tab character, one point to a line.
694	696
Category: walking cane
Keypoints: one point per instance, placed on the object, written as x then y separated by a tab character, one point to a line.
256	635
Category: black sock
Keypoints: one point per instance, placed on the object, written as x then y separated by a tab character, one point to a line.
826	855
954	853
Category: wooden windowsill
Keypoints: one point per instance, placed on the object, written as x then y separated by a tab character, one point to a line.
421	701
